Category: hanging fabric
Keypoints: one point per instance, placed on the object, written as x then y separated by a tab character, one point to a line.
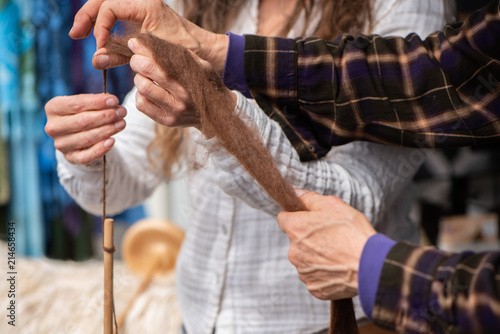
19	104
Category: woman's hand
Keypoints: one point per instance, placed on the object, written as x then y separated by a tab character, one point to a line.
82	125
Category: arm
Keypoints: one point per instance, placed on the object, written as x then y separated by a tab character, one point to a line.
367	176
403	287
439	92
442	91
354	168
130	177
438	292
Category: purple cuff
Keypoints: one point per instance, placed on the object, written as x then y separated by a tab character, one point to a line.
234	68
370	267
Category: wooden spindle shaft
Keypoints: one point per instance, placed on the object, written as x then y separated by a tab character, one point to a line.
108	248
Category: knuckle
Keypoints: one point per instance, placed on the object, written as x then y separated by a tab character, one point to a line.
70	158
172	120
49	129
168	122
184	95
81	159
59	145
108	115
306	282
293	255
178	107
140	102
75	103
49	106
106	6
143	86
315	293
282	218
88	139
80	122
148	66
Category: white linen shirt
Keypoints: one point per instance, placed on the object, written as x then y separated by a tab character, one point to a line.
233	273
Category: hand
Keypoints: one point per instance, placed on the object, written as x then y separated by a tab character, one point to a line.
160	97
326	244
82	125
151	15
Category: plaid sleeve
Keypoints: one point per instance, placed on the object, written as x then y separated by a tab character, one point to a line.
424	290
439	92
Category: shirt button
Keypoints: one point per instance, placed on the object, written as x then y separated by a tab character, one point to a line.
224	229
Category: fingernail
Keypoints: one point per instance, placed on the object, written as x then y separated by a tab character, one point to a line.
111	102
102	61
121	112
69	33
132	44
108	143
120	124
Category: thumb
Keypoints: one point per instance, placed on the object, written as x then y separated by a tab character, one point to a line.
309	198
104	60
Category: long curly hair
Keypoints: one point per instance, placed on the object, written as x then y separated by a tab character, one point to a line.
336	17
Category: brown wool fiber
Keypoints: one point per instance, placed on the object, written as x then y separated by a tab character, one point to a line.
214	105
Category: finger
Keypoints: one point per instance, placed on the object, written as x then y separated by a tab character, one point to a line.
138	48
282	221
156	113
90	154
67	105
84	19
147	67
112	11
102	60
296	224
161	97
84	121
287	219
82	140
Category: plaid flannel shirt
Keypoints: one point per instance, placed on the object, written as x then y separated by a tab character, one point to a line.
440	92
424	290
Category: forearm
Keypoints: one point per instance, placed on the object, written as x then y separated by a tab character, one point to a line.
369	88
438	292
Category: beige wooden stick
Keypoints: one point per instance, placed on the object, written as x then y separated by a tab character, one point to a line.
109	249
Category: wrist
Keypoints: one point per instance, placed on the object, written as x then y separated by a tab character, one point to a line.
213	48
371	263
